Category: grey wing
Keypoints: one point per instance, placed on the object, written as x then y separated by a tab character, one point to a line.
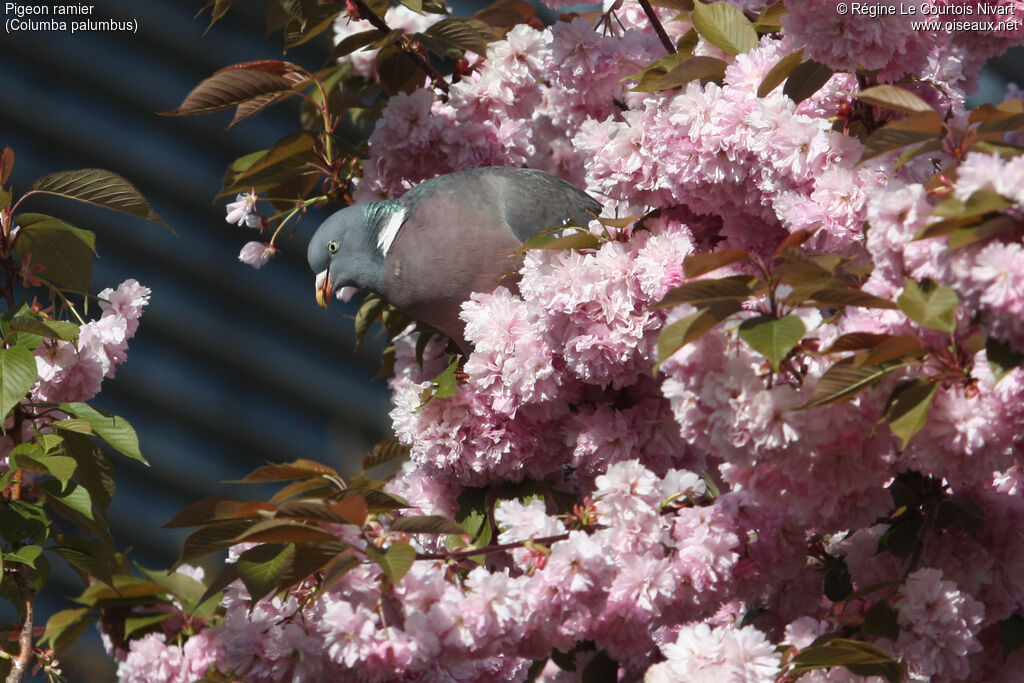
533	201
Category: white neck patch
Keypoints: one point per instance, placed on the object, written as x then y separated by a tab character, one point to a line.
387	233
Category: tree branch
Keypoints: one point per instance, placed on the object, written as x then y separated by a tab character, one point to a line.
20	663
658	28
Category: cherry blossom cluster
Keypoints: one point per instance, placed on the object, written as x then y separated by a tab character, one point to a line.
671	581
74	371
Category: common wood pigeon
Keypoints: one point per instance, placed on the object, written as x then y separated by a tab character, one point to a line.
427	251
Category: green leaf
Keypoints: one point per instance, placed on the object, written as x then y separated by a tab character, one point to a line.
957	512
772	337
64	627
902	537
915	128
1002	125
893	97
780	72
6	164
232	86
843	381
473	518
445	382
308	559
352	510
59	466
211	538
427	524
575	240
375	500
259	568
51	329
138	622
1011	634
94	470
848	296
680	333
695	68
66	251
398	72
653	72
94	559
100	188
698	264
288	159
395	561
770	18
881	621
805	80
319	20
74	496
17	375
219	9
838	583
386	451
1002	358
296	469
182	586
930	304
21	521
358	41
980	202
370	311
218	509
860	658
464	33
26	554
115	430
724	26
855	341
961	237
282	531
892	348
907	408
124	588
702	292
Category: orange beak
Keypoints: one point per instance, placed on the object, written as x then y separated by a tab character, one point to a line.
323	289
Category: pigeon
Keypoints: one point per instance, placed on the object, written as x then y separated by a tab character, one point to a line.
444	239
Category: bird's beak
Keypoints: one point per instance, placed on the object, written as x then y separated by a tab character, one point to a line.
323	289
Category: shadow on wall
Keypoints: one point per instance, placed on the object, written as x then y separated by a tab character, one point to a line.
231	367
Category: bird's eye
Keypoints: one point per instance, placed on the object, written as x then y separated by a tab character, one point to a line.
332	246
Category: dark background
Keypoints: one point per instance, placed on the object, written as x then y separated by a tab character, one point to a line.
231	367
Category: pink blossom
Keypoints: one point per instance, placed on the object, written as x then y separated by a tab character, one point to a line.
243	210
256	254
74	371
938	625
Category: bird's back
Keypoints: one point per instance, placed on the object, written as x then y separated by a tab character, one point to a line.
528	200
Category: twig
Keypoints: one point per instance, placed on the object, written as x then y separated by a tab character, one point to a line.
493	548
369	15
656	23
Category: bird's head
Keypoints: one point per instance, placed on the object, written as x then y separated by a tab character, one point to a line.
344	255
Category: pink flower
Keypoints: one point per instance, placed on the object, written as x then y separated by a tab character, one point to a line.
70	371
256	254
243	210
938	625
